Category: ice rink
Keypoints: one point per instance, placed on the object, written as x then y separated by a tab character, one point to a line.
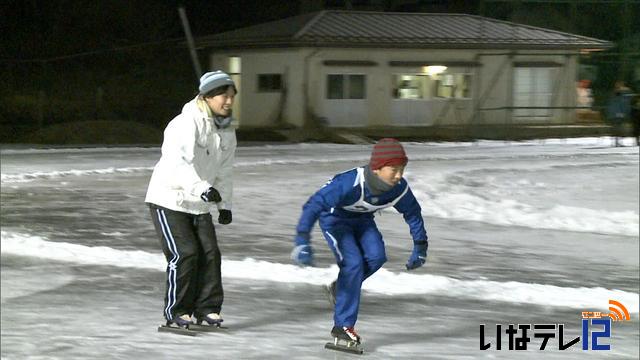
534	232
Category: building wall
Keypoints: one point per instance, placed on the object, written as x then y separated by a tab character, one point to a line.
490	95
264	109
494	91
382	107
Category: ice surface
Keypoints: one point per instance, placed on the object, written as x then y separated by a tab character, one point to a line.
520	232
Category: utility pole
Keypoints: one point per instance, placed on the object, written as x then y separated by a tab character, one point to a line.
192	48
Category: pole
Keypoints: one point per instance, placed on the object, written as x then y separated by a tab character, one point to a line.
192	48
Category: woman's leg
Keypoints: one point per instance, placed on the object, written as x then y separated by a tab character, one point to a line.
180	248
209	293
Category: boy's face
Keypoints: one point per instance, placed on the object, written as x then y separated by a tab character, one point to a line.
390	174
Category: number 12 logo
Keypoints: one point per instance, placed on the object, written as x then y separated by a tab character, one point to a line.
605	333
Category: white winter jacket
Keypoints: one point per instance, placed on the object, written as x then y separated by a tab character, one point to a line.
195	156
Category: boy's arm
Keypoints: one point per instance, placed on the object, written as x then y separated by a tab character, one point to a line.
410	209
412	214
329	196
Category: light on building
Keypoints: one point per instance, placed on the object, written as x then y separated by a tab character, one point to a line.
432	70
234	65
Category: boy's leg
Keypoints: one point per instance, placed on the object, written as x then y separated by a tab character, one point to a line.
180	248
209	293
372	245
350	261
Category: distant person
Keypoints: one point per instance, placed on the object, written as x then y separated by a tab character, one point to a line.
345	207
619	110
635	118
192	177
584	98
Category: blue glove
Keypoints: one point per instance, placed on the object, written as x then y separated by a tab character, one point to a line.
418	255
302	253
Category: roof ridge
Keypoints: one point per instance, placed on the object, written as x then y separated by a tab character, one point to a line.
310	23
480	17
394	12
534	27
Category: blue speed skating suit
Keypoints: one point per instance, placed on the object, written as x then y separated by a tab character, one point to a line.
345	209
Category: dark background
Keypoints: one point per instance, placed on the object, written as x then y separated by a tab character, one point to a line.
86	71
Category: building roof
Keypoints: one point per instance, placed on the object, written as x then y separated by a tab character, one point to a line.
339	28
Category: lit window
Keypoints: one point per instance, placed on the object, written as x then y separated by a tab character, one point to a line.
234	65
411	86
452	85
443	85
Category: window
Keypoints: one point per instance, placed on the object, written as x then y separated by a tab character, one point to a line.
445	85
234	65
453	85
342	86
411	86
533	87
269	82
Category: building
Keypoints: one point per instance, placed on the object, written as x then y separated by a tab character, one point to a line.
357	69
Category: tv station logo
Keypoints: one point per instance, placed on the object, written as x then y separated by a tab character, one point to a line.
596	330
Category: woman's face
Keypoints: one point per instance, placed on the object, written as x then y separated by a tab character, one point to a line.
221	104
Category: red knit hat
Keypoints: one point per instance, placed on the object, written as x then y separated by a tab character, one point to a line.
387	152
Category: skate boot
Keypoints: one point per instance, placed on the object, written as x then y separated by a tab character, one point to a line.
178	325
213	319
208	323
345	339
182	321
345	333
331	292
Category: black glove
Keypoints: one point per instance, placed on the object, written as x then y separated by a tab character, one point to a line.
225	217
211	195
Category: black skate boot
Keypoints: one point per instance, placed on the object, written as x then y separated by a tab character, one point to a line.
345	339
178	325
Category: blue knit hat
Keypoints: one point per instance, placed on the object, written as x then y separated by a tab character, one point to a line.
214	79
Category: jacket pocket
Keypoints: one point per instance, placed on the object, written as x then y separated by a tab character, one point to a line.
226	140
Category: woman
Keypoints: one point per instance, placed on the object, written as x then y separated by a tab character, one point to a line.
193	175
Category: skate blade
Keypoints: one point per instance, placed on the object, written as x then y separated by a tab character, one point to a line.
176	330
352	349
207	328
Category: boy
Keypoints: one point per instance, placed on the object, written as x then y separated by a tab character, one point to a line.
345	207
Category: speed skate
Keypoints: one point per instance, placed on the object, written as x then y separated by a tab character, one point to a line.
345	339
190	329
347	346
174	329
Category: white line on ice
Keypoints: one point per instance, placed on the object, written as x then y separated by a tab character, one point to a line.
383	282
